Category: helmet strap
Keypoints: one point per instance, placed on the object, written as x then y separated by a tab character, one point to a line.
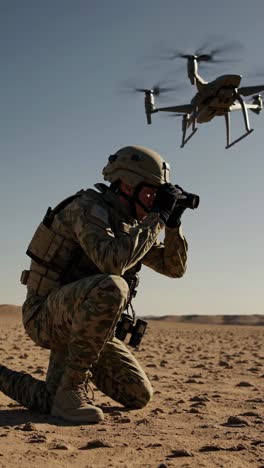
134	198
115	188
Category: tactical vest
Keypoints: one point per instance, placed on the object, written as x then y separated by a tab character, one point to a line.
53	256
51	253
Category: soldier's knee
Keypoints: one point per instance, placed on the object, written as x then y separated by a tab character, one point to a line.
115	288
142	397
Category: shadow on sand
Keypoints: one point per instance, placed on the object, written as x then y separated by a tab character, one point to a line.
16	416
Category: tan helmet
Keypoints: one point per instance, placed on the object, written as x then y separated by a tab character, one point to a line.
136	164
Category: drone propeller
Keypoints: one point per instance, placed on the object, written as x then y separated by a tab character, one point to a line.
213	55
157	89
205	54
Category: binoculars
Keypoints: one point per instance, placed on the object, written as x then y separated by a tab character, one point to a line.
126	325
188	200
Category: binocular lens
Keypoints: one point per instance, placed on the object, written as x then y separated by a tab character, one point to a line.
125	326
140	326
137	333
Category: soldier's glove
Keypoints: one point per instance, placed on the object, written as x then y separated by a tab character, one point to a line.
175	217
165	201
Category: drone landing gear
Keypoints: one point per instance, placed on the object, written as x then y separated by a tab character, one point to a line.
185	120
184	140
246	121
240	138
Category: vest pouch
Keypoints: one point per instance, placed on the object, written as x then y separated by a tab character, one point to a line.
51	249
40	279
44	244
41	284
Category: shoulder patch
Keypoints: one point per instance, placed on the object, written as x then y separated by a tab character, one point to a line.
100	213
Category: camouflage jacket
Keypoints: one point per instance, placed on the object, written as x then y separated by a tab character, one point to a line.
110	241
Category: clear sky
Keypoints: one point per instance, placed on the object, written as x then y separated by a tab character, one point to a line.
63	111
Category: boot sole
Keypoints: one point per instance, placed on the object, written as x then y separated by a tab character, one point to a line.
93	418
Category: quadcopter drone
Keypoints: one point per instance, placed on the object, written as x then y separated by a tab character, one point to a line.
216	98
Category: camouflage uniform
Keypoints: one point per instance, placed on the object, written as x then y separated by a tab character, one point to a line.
77	318
116	373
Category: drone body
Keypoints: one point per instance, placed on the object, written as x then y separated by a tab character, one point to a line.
216	98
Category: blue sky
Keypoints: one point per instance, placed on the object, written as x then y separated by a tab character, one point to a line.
63	111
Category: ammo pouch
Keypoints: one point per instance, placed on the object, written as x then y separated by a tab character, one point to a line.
51	249
52	256
40	279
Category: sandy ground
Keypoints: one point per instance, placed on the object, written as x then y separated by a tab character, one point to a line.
207	410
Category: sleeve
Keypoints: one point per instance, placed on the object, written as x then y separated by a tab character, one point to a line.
112	252
170	256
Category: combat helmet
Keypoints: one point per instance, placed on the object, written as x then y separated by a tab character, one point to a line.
137	165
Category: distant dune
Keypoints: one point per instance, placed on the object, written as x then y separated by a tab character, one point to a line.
7	309
212	319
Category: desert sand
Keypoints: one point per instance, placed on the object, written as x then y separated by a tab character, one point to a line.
207	410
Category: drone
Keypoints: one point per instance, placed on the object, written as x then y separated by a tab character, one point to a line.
215	98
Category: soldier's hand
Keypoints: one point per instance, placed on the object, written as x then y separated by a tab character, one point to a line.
165	201
175	217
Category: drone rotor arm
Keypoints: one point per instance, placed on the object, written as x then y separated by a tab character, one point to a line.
184	109
248	90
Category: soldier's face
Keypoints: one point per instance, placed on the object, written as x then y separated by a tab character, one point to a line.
146	196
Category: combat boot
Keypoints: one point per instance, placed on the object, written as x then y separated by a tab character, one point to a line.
71	401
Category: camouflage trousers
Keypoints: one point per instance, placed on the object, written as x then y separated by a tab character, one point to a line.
77	323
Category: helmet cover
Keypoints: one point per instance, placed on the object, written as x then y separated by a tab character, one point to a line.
135	165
